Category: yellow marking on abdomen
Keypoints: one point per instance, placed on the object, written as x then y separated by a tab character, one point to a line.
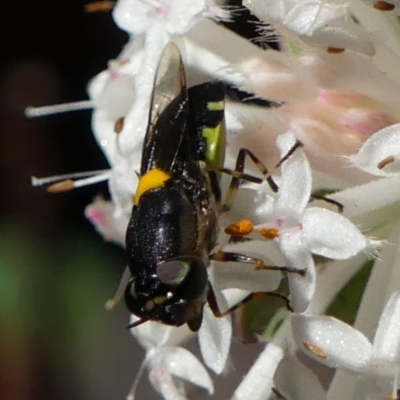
152	179
216	105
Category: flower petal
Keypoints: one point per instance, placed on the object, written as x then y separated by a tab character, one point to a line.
380	154
302	287
296	181
215	340
154	334
332	342
184	365
101	214
163	382
387	337
331	235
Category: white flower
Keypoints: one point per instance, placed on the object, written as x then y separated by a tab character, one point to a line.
327	23
166	360
338	345
380	154
301	231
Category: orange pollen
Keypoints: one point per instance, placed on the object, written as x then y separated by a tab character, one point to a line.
63	186
269	233
383	6
240	228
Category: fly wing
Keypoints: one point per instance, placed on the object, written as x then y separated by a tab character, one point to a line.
168	113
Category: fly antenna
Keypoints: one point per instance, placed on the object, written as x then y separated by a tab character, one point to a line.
137	323
35	112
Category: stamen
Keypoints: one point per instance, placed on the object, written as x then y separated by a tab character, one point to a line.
126	276
69	184
96	6
34	112
131	394
50	179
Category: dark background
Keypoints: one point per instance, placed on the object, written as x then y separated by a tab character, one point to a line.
56	339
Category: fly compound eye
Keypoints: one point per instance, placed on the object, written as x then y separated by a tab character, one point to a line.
187	274
173	272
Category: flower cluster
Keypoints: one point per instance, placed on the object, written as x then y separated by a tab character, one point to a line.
334	86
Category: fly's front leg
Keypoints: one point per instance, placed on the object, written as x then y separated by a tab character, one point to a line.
256	262
212	301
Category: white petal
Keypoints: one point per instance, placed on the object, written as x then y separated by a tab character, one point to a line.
345	36
297	382
101	214
387	337
132	15
337	344
215	337
182	15
331	235
163	382
296	181
184	365
362	199
380	154
302	288
154	334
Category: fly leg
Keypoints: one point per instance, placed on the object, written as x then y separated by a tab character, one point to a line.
328	200
212	301
238	175
256	262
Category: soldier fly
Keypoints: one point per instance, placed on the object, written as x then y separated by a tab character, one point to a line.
174	223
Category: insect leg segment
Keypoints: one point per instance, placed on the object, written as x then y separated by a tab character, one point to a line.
238	174
256	262
329	201
212	301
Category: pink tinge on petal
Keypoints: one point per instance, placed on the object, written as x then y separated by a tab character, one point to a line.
100	214
95	215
